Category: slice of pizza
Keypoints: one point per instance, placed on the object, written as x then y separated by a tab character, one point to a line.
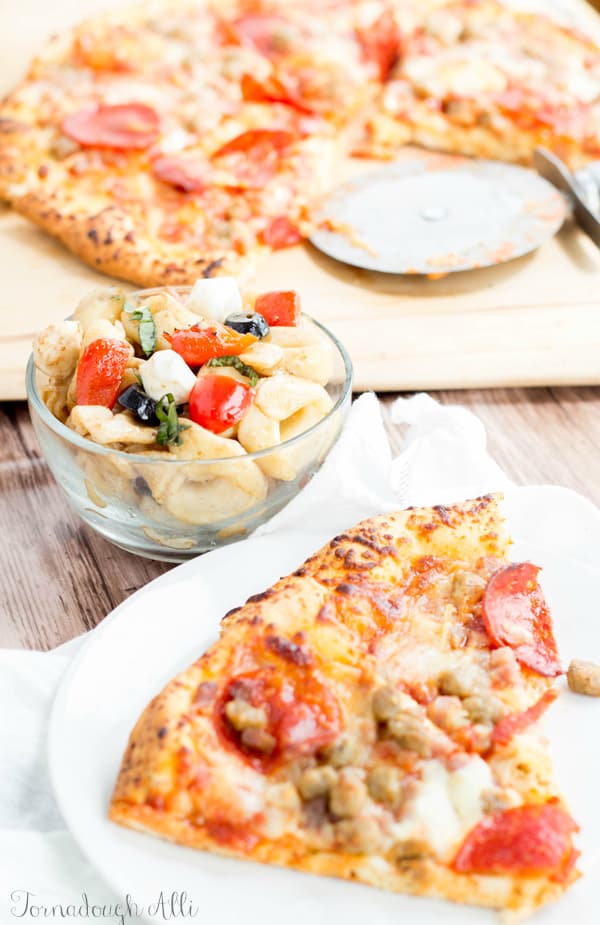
481	78
374	716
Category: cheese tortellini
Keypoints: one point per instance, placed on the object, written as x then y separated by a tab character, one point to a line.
180	401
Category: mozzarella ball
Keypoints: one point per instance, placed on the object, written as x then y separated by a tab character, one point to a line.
166	372
215	298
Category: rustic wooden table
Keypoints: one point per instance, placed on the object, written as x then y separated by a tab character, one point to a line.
59	579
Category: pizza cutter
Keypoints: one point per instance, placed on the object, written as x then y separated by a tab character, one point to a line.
582	188
433	214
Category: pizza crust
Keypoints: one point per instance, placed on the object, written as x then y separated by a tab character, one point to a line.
427	878
107	241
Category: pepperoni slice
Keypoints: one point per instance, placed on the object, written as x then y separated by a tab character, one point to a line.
525	839
280	233
302	714
184	173
515	614
125	126
261	32
510	726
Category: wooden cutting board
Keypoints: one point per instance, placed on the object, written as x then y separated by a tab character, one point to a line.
534	321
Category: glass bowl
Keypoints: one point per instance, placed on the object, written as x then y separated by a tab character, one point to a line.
216	500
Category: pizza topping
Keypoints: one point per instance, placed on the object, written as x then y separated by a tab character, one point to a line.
348	793
274	90
462	681
358	835
448	713
215	298
242	715
381	44
197	345
279	308
266	33
504	668
316	782
219	402
280	233
524	840
511	725
127	126
443	805
386	703
410	849
515	614
302	716
100	371
408	730
257	142
248	323
184	173
166	372
484	708
254	157
258	740
584	678
384	784
342	752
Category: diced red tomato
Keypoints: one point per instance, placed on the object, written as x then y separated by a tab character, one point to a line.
218	402
279	308
302	714
198	345
259	31
280	233
184	173
381	43
509	726
272	90
515	614
525	840
125	126
100	371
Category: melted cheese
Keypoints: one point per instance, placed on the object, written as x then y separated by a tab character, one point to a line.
446	806
456	76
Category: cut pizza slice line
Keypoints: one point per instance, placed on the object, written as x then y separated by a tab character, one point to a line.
373	716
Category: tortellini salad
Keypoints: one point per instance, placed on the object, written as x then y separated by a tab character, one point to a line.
200	374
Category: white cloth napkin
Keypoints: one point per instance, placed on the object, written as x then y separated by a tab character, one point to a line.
444	459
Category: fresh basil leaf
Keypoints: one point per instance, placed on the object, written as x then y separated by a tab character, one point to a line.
169	430
146	326
238	364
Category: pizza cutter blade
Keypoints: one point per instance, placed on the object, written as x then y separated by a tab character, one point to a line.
433	214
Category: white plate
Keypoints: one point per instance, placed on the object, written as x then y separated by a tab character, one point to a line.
165	627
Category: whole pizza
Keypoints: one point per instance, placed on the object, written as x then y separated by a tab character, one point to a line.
176	140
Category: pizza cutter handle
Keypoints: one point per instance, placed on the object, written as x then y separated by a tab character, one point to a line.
549	166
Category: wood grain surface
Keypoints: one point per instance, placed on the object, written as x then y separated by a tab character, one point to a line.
59	579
